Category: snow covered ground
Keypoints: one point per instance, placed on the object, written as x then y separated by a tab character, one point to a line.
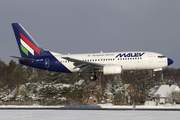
86	115
59	114
99	106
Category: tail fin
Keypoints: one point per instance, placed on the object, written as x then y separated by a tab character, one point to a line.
27	45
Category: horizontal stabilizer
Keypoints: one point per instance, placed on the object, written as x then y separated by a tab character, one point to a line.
23	59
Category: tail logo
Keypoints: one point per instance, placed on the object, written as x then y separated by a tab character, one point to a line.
26	46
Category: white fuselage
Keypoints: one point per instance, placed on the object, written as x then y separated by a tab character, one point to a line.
128	60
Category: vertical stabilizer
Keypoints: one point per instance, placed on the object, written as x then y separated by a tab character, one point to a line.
27	45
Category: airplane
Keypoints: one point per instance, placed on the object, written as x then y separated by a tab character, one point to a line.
110	63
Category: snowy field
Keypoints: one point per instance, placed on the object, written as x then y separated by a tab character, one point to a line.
87	115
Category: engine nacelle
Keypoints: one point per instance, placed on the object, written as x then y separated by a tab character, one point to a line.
112	69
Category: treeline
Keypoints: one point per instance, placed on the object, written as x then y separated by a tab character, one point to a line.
13	74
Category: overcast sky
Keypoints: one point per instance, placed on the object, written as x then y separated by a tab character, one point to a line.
86	26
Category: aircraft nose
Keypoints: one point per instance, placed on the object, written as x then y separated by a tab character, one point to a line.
170	61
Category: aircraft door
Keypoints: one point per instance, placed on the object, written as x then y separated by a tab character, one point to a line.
47	65
150	58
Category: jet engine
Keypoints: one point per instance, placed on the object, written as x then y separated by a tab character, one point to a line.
112	69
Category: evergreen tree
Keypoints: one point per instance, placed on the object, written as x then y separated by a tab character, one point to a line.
117	84
118	90
142	80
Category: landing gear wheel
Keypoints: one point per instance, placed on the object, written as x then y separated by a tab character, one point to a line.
92	77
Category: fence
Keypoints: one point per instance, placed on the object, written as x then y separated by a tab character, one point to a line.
21	103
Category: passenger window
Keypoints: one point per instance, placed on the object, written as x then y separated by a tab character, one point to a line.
161	56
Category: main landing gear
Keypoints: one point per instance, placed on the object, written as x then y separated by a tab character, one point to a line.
93	76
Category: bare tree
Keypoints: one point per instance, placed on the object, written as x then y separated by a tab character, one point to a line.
157	98
175	97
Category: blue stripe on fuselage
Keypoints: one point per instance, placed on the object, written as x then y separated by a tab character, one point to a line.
39	62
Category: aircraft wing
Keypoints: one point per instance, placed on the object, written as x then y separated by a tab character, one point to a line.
84	65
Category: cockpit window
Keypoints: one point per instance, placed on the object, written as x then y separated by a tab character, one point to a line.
161	56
